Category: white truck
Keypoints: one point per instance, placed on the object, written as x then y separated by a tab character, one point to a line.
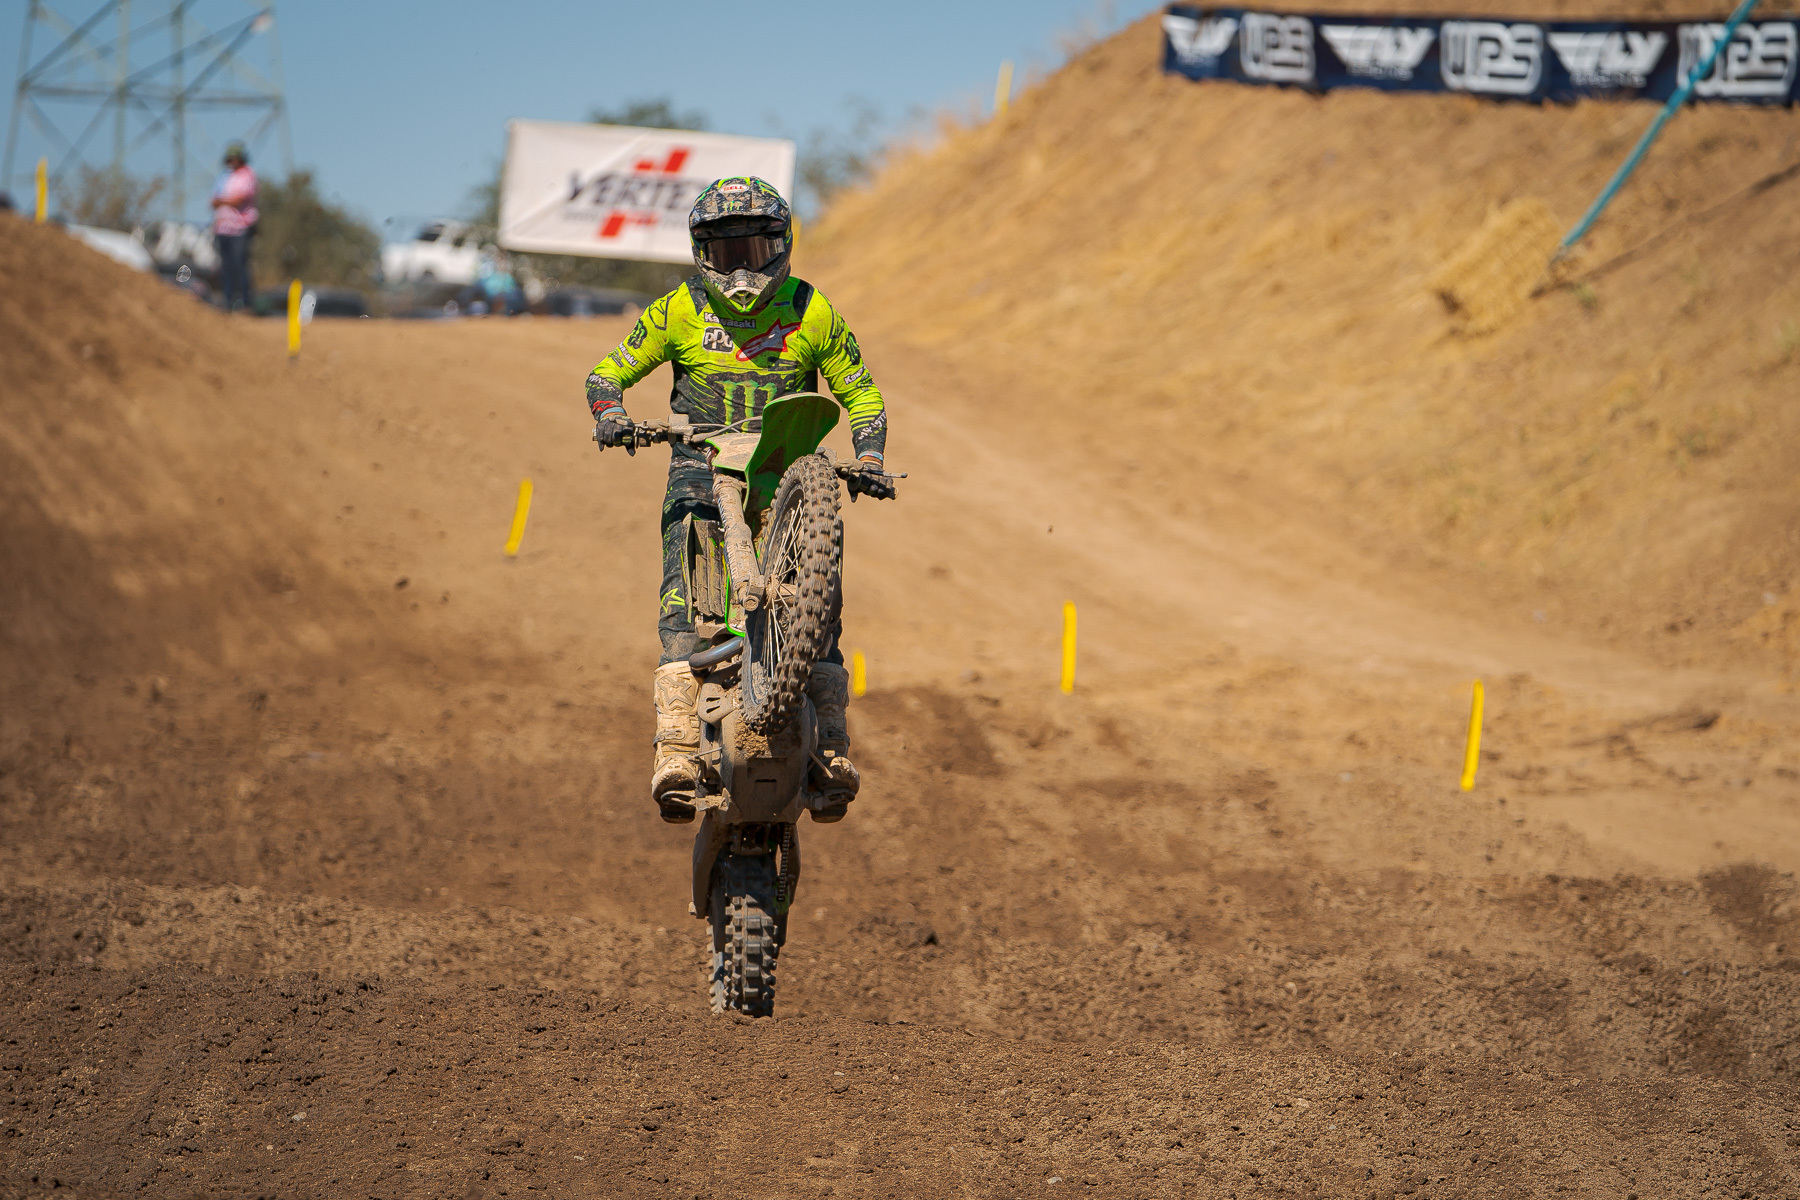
441	252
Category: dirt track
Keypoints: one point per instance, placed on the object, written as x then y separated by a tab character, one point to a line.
325	867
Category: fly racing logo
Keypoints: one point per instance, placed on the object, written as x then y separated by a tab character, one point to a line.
1757	65
1609	60
1277	48
1492	58
1379	51
774	338
1197	42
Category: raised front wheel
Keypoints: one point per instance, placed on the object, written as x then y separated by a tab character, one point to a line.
800	561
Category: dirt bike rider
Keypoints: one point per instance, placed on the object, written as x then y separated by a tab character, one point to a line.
739	333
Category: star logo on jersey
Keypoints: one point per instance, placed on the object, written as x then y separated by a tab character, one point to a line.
774	338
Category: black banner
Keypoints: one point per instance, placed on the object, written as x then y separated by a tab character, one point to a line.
1498	58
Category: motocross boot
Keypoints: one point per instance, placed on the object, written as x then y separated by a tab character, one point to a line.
837	784
673	781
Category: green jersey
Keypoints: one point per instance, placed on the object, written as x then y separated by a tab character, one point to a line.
728	366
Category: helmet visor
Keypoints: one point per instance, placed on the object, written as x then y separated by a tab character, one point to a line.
752	252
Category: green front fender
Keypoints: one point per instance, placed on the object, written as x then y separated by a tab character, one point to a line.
792	427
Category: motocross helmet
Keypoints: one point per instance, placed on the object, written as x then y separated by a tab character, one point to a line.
743	238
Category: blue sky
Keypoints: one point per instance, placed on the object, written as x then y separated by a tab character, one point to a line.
401	108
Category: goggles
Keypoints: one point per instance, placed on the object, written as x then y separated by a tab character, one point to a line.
752	252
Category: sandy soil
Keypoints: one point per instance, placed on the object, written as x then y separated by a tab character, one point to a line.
1239	280
325	867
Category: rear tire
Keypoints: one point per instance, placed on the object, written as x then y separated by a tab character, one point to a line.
747	933
801	560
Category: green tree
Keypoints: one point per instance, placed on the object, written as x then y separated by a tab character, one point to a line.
108	198
658	113
302	236
831	160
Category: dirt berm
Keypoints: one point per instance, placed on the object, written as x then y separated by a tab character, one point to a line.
325	864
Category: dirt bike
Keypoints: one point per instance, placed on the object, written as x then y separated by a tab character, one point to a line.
763	587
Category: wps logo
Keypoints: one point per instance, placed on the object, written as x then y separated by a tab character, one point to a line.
1492	58
1379	51
653	192
1277	48
1757	65
1200	43
1609	59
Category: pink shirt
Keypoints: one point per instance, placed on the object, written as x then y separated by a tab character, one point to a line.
238	213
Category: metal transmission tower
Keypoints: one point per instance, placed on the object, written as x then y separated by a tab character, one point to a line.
183	75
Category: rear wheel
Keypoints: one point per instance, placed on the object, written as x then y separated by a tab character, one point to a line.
749	924
800	555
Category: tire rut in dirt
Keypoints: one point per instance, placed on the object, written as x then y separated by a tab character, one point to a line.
801	551
747	934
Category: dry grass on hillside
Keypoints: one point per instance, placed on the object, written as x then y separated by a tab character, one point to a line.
1249	270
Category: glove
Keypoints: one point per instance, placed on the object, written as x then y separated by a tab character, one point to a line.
870	479
614	428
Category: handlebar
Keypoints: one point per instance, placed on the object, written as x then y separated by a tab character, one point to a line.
648	433
652	432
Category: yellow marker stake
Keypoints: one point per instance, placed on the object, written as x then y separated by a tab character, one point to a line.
1003	87
43	190
1068	672
859	674
1472	756
294	319
519	514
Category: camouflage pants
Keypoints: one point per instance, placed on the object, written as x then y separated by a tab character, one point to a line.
690	495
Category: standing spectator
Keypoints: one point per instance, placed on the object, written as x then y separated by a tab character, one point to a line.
234	220
499	286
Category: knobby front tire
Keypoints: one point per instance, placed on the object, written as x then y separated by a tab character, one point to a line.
801	564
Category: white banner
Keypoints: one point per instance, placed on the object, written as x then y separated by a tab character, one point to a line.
612	191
